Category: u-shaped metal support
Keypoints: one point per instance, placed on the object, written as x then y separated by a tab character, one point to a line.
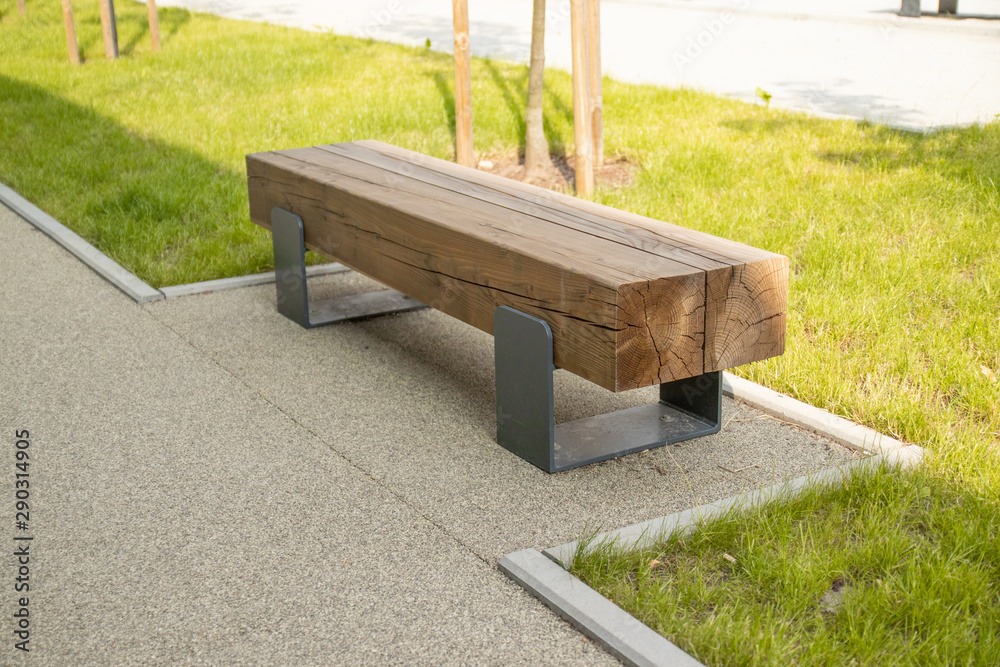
288	239
526	426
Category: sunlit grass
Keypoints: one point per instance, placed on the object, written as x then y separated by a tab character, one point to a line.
891	569
144	156
894	237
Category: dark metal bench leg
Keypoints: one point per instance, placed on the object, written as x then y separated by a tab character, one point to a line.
910	8
288	238
948	7
525	405
687	409
700	396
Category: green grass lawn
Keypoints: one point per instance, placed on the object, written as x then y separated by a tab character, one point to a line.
890	569
894	237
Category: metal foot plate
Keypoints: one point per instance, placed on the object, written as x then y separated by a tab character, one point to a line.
288	238
688	408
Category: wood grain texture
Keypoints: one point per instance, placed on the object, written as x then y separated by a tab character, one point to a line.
631	301
463	84
746	313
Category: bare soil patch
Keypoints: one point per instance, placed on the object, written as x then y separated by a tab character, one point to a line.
616	172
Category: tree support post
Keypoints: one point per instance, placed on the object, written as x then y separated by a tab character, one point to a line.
596	88
583	132
463	84
109	28
74	50
154	24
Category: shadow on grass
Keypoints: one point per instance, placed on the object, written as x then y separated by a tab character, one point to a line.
134	25
172	19
88	35
167	214
970	154
141	29
510	85
441	82
760	125
956	152
514	90
514	96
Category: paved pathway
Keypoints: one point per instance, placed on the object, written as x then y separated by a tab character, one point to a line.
211	484
855	58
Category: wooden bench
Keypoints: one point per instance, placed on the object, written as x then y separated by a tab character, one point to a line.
621	300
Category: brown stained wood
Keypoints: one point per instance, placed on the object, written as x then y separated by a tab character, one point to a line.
463	84
464	276
154	24
457	209
697	249
663	336
624	312
71	46
746	315
583	171
22	10
686	245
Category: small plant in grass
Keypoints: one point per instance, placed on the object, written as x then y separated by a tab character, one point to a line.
892	568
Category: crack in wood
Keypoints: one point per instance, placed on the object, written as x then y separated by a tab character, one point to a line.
466	242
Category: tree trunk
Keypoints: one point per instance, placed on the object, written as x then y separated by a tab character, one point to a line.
536	148
109	28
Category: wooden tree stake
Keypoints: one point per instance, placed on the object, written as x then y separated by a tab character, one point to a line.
596	92
21	8
74	51
109	28
154	24
463	84
584	169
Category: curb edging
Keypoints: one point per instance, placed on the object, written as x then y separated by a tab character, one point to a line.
207	286
126	281
544	574
603	621
842	431
615	629
645	533
104	266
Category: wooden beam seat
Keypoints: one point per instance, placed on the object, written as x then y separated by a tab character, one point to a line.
630	301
